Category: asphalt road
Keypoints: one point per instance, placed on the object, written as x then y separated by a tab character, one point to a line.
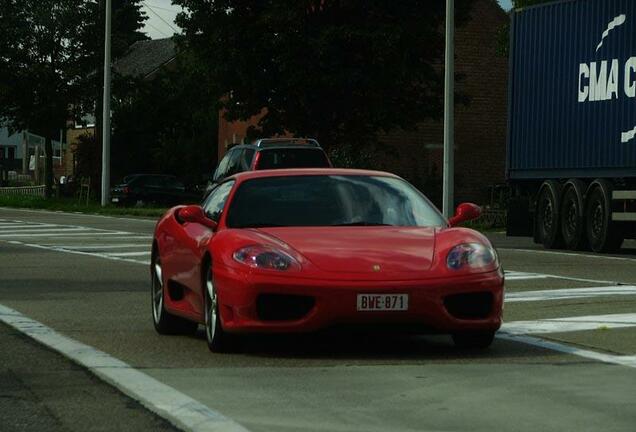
565	361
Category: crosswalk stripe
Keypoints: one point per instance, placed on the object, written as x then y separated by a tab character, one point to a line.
570	293
23	226
22	233
95	234
126	254
514	275
561	325
101	247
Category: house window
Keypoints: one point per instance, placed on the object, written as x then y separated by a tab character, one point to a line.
11	154
1	153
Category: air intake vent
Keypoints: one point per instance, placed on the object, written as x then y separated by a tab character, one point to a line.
469	306
283	307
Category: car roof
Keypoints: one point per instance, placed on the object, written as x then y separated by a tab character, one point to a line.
294	172
276	142
277	146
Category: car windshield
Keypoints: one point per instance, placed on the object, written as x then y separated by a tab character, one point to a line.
330	200
292	158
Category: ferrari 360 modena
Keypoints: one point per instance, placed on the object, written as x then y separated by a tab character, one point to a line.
301	250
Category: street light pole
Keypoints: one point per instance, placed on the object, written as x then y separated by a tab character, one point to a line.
106	109
449	111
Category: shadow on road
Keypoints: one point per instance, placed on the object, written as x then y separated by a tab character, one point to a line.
360	346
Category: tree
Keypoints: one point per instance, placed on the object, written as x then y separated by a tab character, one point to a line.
49	54
167	124
127	22
42	60
339	70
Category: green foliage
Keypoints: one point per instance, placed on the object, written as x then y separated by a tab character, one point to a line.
72	205
167	124
338	70
49	51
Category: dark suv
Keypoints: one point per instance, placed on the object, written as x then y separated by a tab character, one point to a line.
271	153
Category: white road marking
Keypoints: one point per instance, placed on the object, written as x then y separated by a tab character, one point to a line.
623	360
60	234
167	402
26	226
30	231
125	254
582	255
562	325
101	247
76	252
141	218
569	293
514	275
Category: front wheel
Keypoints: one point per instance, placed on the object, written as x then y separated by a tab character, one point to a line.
474	340
218	340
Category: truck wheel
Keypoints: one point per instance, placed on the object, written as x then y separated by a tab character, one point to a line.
602	234
572	215
547	214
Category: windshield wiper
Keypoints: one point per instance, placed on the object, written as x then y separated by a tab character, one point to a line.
362	223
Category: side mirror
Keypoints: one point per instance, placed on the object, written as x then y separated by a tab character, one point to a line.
465	212
195	214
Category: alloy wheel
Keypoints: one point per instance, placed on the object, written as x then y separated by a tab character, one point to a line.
157	291
211	319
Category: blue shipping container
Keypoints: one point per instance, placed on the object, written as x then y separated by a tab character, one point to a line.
572	90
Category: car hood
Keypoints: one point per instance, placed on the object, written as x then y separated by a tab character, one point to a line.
361	249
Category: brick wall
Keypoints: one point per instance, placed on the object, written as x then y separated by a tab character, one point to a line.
480	126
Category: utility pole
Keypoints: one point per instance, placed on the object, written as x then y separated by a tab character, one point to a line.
449	112
106	108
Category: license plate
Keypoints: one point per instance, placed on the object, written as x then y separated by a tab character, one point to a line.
383	302
115	199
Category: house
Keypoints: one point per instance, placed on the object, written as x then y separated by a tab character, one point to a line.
480	126
18	150
145	58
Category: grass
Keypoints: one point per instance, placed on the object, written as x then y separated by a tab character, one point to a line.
72	205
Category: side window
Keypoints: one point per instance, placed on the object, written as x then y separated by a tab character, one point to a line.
214	203
246	162
222	168
234	166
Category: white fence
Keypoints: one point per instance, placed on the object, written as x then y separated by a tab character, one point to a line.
23	190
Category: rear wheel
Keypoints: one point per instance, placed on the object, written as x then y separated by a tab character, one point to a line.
218	340
603	234
164	322
547	215
474	340
572	215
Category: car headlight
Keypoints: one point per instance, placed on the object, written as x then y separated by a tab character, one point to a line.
266	257
471	255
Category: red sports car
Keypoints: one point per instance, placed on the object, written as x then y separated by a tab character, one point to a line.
303	249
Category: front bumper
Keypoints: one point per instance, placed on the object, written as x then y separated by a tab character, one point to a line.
335	302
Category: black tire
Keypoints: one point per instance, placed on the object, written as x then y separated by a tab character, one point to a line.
573	215
218	340
474	340
547	215
603	235
164	322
